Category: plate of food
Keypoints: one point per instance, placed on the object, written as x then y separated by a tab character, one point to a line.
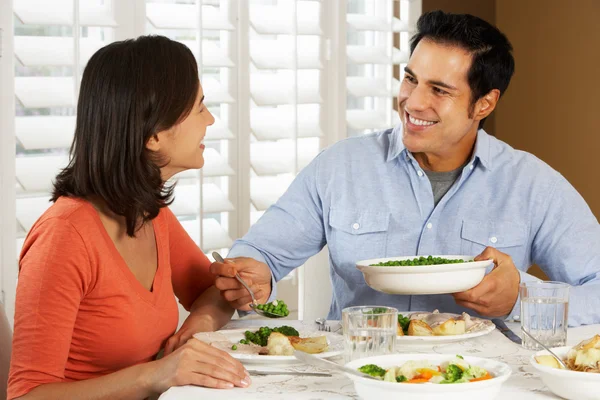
581	381
276	345
435	274
429	377
436	327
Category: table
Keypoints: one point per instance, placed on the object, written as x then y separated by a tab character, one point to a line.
524	383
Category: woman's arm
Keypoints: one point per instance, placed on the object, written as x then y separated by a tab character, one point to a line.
210	312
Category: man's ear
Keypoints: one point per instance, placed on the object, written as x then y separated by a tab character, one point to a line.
153	143
487	104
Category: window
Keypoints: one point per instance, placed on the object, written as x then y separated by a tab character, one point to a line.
284	79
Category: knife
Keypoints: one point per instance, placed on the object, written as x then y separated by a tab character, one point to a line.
506	331
260	373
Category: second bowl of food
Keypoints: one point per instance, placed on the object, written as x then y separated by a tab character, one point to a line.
435	274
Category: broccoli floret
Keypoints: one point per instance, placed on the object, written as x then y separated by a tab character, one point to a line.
401	378
373	370
459	356
404	322
287	331
453	373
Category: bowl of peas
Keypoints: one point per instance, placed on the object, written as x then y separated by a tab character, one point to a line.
433	274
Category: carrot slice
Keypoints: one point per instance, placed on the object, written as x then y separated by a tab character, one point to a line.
483	378
417	380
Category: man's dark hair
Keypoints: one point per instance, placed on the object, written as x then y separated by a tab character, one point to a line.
493	64
130	91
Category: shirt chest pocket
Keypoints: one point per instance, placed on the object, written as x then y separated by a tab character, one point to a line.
507	236
356	235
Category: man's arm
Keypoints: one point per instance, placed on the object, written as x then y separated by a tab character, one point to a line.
290	232
567	248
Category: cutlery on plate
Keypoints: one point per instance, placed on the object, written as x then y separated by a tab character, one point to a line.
505	330
264	373
325	364
267	314
560	361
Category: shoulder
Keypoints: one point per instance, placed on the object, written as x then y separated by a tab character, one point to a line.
372	147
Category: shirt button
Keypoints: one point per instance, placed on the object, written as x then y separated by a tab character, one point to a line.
429	225
420	173
471	166
493	239
355	226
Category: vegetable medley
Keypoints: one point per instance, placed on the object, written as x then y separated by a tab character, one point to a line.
429	260
456	370
261	336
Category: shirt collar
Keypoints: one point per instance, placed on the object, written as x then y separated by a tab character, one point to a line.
482	147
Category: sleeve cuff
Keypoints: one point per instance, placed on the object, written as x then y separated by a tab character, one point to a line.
515	314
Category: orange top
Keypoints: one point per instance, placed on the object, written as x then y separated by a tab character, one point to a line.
80	312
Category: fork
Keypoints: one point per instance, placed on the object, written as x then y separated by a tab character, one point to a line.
322	324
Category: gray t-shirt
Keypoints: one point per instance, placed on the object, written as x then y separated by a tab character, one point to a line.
441	182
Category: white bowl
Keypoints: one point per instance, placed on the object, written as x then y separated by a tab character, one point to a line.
572	385
377	390
424	279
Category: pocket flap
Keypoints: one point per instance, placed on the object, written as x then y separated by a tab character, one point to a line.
359	222
495	234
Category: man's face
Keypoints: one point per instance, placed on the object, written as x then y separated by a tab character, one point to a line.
434	101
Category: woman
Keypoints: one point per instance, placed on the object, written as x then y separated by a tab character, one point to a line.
99	270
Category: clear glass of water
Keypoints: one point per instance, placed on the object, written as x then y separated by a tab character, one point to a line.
544	313
369	331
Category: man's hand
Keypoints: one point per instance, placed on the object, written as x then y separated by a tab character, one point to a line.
256	274
497	293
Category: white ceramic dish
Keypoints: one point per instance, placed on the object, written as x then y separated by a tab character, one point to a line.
420	340
369	389
572	385
424	279
336	347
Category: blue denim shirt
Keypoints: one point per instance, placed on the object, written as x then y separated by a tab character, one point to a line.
367	197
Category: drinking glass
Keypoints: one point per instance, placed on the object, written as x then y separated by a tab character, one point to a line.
369	331
544	313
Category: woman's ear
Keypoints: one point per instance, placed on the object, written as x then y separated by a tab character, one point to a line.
153	143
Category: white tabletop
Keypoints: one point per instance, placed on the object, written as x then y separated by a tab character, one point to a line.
523	383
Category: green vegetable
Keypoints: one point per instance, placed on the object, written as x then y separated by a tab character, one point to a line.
377	310
244	341
234	347
276	307
404	322
459	356
261	336
474	372
373	370
401	378
430	260
453	373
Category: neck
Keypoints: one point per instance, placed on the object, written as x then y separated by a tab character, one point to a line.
444	162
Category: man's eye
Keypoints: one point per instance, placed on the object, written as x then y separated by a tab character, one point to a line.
439	91
410	79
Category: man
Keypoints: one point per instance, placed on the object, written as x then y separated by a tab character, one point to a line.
435	184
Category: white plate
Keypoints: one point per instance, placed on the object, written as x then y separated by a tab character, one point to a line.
572	385
336	347
408	340
424	279
369	389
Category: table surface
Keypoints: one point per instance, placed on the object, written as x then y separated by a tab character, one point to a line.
524	383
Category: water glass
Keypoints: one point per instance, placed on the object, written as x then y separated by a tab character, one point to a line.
369	331
544	313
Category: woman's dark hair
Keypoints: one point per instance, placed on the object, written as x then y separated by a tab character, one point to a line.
130	91
493	64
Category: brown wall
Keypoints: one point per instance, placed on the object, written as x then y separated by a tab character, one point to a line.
551	106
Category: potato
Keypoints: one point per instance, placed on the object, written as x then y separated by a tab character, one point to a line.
450	327
312	345
547	361
279	345
419	328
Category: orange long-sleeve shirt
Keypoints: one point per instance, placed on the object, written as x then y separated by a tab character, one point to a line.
80	312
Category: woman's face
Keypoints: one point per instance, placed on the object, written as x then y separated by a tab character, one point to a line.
181	146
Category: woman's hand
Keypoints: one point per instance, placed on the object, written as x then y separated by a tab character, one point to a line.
197	363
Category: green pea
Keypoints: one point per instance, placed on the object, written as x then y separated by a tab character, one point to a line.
234	347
